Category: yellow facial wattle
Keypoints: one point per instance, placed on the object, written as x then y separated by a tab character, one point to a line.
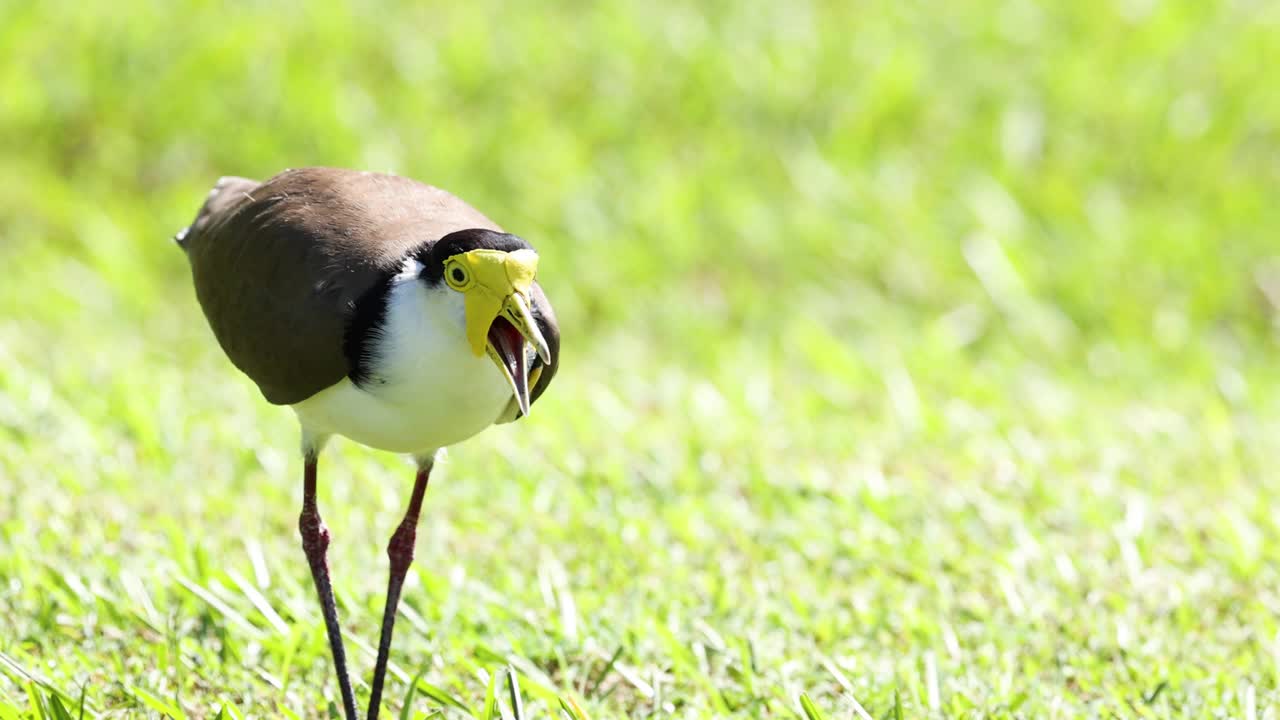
495	282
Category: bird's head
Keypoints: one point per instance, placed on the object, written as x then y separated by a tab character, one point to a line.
494	272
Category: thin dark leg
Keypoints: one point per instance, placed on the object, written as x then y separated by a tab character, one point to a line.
400	551
315	541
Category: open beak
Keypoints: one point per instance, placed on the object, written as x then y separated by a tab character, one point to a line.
511	329
498	316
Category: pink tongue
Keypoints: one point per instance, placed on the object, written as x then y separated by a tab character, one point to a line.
509	343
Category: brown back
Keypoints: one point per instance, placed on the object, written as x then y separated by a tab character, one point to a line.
279	265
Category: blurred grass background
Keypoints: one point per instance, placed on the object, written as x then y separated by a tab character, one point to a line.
914	353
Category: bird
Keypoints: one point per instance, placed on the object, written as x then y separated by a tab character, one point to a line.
380	309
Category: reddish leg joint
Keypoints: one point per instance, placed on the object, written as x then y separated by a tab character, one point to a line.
315	542
400	549
315	536
400	553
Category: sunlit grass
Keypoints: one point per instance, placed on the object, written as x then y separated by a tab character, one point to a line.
918	362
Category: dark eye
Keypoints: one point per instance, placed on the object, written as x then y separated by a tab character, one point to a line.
458	275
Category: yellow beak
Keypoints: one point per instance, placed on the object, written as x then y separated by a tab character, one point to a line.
498	316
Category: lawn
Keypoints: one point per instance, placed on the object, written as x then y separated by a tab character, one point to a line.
919	359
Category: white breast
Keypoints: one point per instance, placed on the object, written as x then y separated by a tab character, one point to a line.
429	390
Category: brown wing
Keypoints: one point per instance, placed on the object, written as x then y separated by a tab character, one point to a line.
279	265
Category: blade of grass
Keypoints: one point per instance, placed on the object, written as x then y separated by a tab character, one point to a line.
260	602
57	709
810	710
10	666
513	688
408	696
221	607
571	708
156	703
491	698
440	695
599	677
38	709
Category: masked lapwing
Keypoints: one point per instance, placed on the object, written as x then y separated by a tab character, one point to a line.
381	309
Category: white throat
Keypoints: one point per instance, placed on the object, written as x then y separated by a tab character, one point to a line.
427	390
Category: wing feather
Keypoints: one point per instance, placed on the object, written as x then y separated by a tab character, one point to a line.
278	266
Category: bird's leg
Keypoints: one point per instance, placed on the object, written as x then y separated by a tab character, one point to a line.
400	552
315	541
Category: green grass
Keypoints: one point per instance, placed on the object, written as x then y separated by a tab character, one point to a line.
918	356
